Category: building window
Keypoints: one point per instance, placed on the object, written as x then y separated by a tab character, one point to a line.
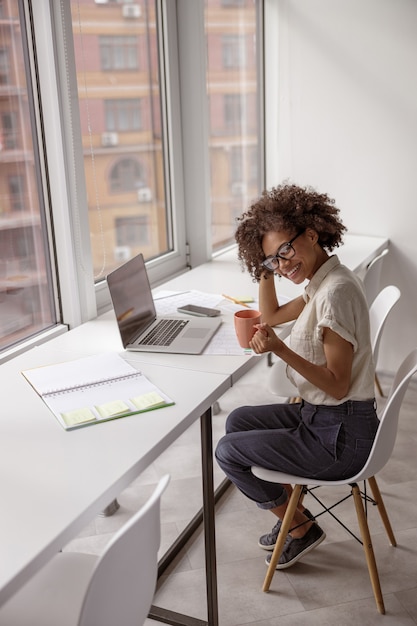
9	131
236	165
234	110
127	175
132	232
233	51
16	191
233	3
123	115
118	53
4	66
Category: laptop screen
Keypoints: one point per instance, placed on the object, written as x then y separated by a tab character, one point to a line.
132	299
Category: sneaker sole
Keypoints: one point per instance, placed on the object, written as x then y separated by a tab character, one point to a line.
301	554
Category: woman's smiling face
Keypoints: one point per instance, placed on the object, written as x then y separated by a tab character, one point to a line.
307	258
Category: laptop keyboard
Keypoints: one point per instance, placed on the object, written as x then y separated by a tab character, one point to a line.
164	333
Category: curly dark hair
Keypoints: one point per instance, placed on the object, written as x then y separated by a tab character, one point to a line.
289	208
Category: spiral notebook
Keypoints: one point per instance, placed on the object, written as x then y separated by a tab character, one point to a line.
95	389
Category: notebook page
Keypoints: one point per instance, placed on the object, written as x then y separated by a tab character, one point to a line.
74	374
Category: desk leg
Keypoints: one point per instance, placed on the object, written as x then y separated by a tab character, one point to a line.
206	515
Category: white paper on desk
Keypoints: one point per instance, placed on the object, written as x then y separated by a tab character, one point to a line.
225	342
169	301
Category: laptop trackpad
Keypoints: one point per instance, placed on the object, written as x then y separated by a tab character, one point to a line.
195	333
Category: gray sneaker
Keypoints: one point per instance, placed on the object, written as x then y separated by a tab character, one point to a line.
268	541
295	549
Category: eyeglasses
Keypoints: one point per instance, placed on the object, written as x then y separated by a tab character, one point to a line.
285	251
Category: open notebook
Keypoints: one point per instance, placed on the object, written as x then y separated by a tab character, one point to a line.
95	389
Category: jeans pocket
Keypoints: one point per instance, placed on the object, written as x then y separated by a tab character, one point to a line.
358	457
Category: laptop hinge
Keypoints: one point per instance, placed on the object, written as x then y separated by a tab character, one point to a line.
188	255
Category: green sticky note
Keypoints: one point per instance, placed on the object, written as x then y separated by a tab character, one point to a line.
245	299
149	400
112	408
78	416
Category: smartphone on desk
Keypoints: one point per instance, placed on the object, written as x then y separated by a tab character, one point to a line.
200	311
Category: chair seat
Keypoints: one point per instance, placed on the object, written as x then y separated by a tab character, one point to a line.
53	597
288	479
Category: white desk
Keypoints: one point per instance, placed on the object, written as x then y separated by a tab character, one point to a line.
54	482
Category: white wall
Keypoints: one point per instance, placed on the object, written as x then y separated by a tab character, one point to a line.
347	125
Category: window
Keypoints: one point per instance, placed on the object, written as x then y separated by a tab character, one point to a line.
27	298
131	231
127	175
9	139
122	127
233	3
18	198
236	165
123	115
235	105
93	94
118	53
234	52
4	66
234	110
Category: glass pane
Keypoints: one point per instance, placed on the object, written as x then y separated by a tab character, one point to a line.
117	64
26	302
234	127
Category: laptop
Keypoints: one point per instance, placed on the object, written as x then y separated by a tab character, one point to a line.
139	326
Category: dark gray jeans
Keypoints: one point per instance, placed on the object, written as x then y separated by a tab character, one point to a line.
329	442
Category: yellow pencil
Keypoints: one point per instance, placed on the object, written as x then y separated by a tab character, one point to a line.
236	301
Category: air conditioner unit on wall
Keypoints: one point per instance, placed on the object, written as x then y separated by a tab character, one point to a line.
122	253
131	10
238	189
109	139
144	194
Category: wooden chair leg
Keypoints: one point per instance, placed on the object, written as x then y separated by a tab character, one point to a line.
369	552
285	527
382	510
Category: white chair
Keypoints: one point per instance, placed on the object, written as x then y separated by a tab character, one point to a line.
372	277
115	589
379	310
277	381
379	456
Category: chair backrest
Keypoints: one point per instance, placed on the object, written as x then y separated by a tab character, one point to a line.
123	582
378	314
277	381
372	277
387	431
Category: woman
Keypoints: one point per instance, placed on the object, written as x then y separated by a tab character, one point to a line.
289	232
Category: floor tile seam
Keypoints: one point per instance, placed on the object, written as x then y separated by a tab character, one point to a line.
395	594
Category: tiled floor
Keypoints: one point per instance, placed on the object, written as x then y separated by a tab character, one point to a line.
329	586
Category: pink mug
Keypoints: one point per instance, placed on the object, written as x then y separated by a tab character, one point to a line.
245	321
